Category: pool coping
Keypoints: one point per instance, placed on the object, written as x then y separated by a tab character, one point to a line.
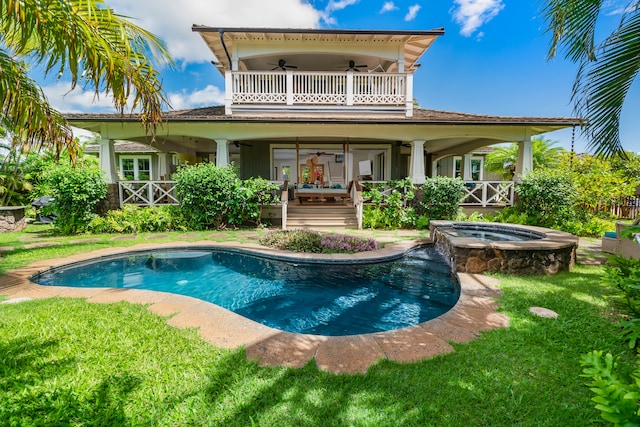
475	311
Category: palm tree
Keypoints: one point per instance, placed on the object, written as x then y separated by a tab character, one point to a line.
606	69
502	160
82	39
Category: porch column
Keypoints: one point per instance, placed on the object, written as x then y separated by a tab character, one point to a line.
222	152
416	171
163	166
524	165
228	92
466	168
108	160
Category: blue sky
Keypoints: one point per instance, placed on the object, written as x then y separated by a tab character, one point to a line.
491	60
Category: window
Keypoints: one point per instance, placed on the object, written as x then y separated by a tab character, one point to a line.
135	168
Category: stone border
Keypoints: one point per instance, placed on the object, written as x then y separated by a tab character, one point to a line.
549	251
475	311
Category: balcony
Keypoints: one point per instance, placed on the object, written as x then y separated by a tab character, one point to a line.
303	91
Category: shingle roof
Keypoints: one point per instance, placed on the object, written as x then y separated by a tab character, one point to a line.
420	116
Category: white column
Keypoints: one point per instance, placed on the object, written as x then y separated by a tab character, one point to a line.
524	165
222	152
108	160
163	165
416	170
466	168
228	92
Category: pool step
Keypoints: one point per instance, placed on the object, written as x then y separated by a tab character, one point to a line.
321	216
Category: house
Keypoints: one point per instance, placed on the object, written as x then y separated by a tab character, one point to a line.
322	107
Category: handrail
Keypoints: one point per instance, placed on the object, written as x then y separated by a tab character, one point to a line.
284	199
358	201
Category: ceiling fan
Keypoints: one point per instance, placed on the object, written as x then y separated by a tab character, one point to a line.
282	64
324	153
353	67
238	144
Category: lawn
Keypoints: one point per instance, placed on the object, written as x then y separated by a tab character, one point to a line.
69	362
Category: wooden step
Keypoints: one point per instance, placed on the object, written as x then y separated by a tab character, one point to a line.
321	216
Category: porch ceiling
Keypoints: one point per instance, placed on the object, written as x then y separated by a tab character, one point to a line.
285	42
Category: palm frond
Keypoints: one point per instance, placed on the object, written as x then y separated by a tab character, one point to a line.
99	49
602	85
572	24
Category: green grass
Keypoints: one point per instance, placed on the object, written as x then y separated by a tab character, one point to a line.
69	362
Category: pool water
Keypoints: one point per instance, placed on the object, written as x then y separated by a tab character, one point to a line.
321	299
489	235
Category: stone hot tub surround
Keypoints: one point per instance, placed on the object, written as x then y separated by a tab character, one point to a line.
544	251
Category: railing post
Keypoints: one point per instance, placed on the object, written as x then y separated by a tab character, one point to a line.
484	194
409	95
289	89
349	87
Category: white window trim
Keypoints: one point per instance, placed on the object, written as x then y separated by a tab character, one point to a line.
136	170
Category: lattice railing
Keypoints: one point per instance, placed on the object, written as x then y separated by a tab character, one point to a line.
488	193
318	88
147	193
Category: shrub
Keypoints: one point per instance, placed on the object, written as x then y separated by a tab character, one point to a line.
547	198
77	191
617	399
440	198
388	204
311	241
214	197
134	219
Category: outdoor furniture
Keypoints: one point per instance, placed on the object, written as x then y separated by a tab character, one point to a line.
621	246
307	192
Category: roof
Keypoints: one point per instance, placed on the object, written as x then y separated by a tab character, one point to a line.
123	147
420	116
222	41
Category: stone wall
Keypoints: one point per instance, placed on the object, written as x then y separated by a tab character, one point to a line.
12	218
542	256
111	202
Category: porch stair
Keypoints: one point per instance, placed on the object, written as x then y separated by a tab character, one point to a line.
321	216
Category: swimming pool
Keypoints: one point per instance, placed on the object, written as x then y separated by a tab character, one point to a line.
312	298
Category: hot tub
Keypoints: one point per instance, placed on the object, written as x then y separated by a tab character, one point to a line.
476	247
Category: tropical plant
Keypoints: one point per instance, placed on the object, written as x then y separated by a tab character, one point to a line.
214	197
135	219
502	160
440	197
547	198
606	69
388	204
86	41
77	190
598	184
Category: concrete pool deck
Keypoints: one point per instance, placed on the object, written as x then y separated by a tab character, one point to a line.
475	311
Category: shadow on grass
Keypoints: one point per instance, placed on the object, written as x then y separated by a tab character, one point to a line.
526	375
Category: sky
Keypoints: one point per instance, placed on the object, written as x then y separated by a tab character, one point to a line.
492	59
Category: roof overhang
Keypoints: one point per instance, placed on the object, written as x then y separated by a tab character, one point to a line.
223	41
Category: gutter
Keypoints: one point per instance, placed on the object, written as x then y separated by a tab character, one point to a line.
224	46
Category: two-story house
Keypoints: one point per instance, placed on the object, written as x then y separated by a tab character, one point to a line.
322	107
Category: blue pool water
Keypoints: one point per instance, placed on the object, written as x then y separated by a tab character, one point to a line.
490	235
321	299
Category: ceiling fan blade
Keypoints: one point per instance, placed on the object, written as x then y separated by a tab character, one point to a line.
291	66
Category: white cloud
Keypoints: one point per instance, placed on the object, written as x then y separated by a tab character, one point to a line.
334	6
78	100
210	95
472	14
172	20
388	6
413	11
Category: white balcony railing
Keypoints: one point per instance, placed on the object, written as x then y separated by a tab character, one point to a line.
302	88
